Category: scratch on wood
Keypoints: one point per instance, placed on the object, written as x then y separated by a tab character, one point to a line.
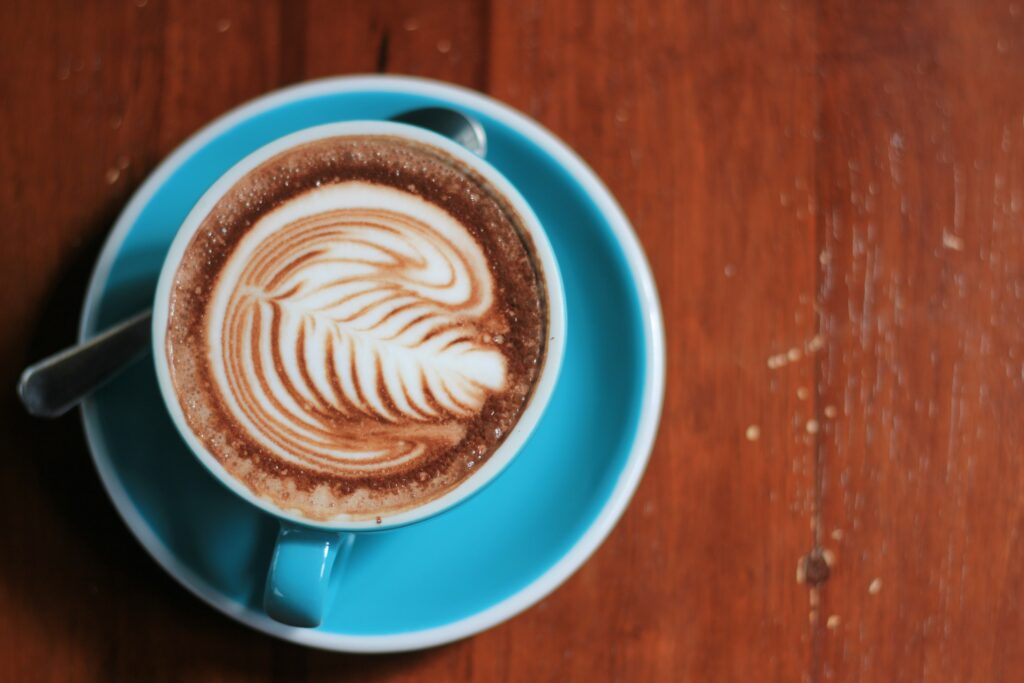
958	200
950	241
383	52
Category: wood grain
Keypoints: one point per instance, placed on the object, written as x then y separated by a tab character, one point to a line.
921	303
831	195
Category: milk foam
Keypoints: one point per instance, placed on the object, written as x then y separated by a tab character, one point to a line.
354	304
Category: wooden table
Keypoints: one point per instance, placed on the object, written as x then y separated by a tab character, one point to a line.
832	199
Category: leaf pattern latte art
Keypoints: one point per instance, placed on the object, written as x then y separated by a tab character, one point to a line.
351	337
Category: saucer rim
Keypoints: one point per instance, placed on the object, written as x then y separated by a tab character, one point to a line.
628	479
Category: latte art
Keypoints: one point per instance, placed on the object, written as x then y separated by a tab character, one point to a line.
356	326
334	308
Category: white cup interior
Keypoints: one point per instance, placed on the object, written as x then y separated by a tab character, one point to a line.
543	388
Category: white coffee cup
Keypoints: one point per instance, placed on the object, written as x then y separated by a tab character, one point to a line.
307	550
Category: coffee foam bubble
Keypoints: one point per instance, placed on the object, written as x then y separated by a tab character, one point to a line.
355	304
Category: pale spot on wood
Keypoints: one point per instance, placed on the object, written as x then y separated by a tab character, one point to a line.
794	354
832	622
812	426
831	412
753	433
875	587
802	393
951	241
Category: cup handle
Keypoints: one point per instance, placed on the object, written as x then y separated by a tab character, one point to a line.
300	571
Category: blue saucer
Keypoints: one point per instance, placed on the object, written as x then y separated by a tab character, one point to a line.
487	559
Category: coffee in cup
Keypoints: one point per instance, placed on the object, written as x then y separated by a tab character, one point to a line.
355	326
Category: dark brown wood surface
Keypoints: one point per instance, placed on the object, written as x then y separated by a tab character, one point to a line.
832	198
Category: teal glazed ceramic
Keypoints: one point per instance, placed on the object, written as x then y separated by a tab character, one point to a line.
480	562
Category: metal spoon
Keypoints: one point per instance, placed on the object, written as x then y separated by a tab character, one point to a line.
58	383
454	125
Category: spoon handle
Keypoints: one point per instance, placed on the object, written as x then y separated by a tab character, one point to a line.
56	384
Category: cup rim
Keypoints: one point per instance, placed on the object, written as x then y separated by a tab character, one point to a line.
543	387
